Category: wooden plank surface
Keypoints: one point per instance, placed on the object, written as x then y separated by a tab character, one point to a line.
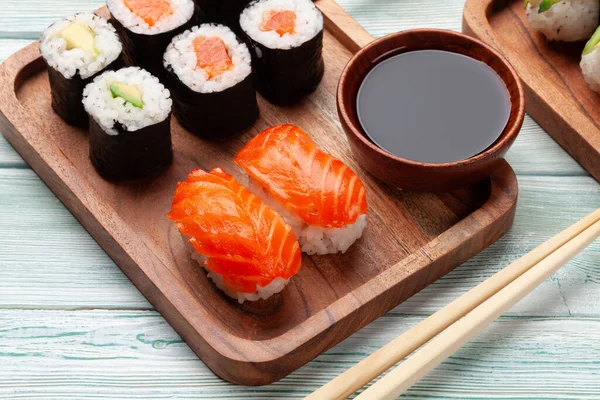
548	348
135	354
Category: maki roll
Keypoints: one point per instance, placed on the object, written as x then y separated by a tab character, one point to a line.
590	62
76	49
223	12
148	26
321	198
130	133
286	40
248	250
566	21
209	73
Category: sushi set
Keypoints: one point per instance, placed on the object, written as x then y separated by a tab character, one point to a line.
260	232
554	69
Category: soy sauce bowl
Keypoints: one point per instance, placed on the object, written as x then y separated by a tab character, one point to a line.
414	175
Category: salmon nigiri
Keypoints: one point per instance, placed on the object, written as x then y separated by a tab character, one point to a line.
250	252
318	195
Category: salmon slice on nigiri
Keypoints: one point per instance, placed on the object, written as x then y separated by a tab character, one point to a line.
248	249
320	197
151	11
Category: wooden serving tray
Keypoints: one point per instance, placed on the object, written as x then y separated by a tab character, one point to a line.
557	96
411	239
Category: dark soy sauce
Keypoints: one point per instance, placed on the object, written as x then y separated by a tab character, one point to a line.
433	106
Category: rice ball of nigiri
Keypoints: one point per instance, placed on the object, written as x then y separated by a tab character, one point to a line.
566	21
590	62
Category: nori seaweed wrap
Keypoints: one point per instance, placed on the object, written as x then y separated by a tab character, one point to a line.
223	12
285	77
76	50
144	44
209	73
131	155
286	42
130	124
216	115
67	94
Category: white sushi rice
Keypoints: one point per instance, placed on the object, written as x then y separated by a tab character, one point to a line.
53	47
313	239
183	10
181	57
309	22
568	20
107	110
590	66
262	293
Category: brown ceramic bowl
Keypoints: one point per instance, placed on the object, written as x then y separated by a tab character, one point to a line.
413	175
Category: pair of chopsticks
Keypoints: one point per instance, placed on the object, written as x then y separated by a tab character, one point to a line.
458	322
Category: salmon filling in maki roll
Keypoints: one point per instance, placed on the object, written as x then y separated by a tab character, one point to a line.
209	71
151	11
76	50
286	41
320	197
283	22
212	56
151	17
249	251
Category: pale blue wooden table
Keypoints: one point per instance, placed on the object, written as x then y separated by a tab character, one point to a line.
73	326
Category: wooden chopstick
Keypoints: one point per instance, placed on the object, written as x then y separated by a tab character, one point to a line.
374	365
451	339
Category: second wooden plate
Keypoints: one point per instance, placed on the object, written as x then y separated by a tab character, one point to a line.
557	96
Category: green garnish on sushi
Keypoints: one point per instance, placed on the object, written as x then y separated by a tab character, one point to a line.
129	93
545	5
593	43
80	37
